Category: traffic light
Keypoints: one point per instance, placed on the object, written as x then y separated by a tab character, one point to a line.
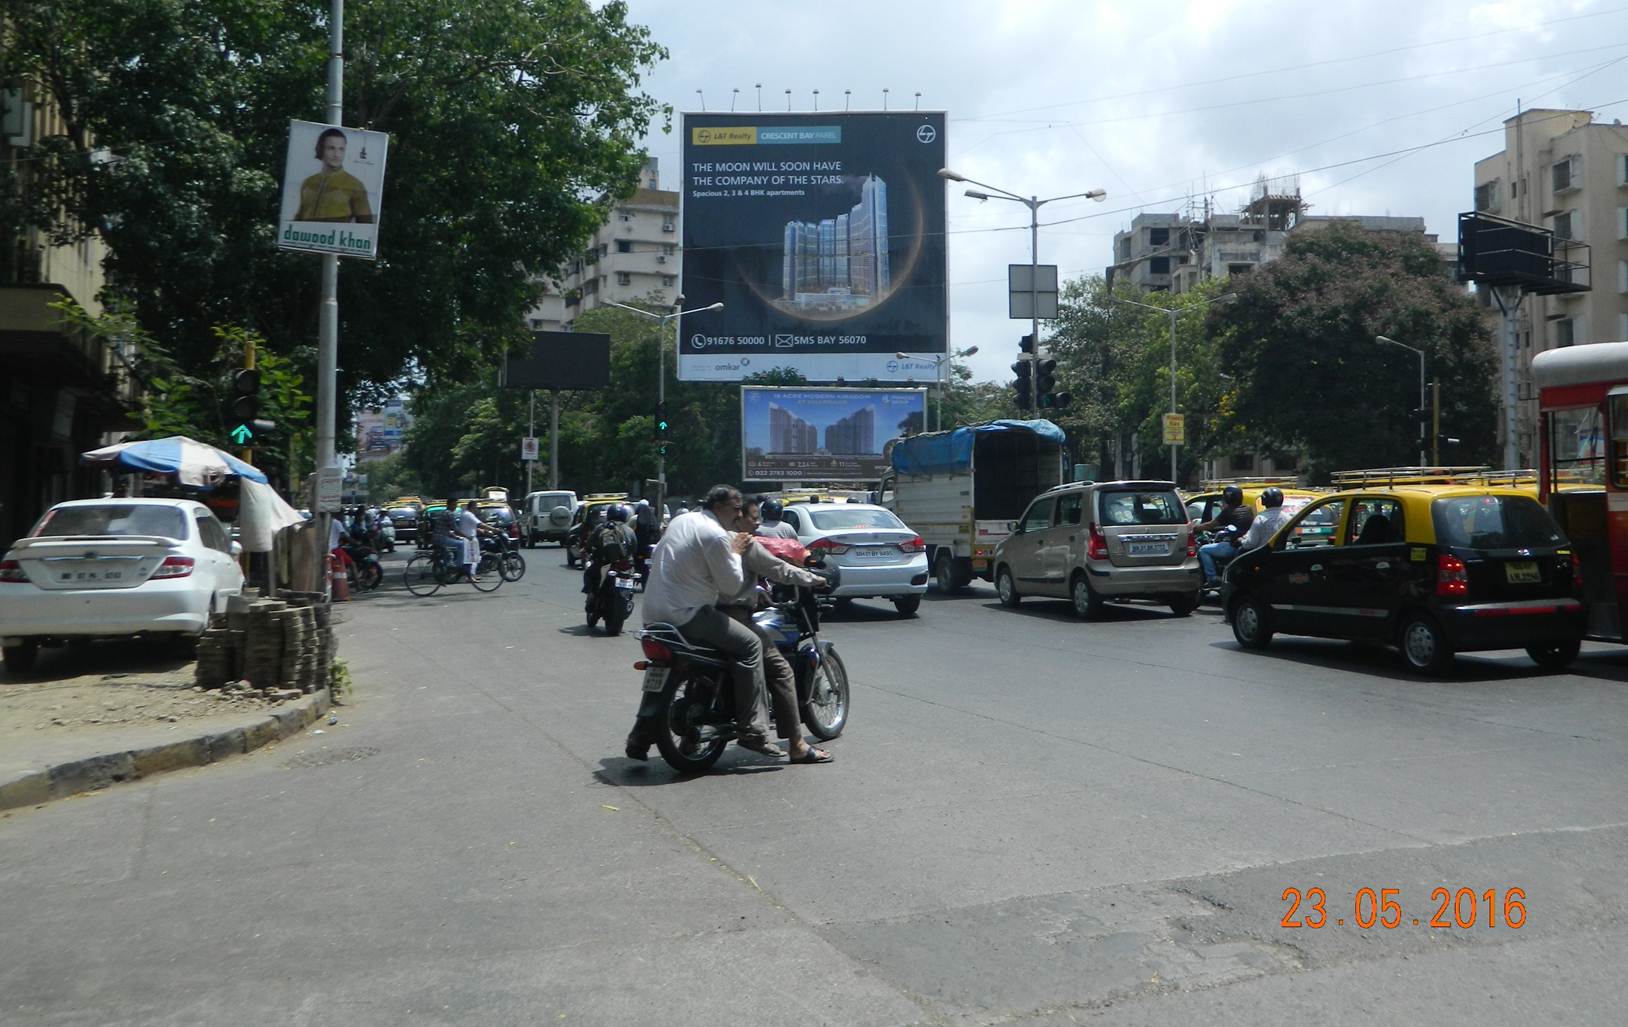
1026	346
1045	384
246	407
663	425
1023	386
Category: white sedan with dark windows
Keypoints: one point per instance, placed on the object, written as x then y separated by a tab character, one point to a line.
114	567
877	555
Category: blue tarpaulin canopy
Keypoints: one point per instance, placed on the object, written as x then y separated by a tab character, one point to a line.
193	463
952	450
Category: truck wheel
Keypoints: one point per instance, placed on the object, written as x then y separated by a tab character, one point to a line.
944	574
1006	587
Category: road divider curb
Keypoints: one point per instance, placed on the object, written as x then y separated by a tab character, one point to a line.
92	772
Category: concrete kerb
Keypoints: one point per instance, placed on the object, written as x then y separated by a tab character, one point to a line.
93	772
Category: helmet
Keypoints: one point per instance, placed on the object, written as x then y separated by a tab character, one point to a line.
770	509
644	504
1232	495
617	513
1272	497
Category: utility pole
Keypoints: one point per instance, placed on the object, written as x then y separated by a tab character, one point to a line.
554	439
328	331
1435	422
531	432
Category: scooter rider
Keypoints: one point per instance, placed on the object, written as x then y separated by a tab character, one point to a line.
771	510
611	542
1232	521
1267	522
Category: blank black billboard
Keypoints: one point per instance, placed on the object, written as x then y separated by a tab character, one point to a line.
560	360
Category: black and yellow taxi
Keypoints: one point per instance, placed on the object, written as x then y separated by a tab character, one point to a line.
1432	568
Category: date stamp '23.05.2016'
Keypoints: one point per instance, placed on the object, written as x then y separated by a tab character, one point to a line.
1461	908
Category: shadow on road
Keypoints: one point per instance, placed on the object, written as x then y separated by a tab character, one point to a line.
1381	661
110	658
621	771
1063	610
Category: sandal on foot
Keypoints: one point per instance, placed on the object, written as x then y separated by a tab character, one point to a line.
813	755
762	746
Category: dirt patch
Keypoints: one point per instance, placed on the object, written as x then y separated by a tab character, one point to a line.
94	688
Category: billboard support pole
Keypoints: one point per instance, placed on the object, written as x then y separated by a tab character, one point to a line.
1509	302
328	323
531	433
554	439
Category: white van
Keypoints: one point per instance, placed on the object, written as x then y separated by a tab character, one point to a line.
546	516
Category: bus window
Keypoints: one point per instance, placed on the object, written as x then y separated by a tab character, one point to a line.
1577	447
1619	441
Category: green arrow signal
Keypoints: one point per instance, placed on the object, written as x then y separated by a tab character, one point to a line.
241	434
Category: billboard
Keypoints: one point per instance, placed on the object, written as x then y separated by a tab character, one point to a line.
801	434
333	187
381	431
560	360
823	236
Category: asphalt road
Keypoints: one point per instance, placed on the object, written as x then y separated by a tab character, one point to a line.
1030	820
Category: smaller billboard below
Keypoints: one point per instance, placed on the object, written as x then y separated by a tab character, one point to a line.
333	189
827	435
560	360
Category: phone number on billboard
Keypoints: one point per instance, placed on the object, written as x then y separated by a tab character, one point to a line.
777	341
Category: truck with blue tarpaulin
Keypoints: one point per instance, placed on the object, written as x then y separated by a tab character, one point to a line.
963	490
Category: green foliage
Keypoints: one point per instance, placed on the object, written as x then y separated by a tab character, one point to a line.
389	477
513	123
1301	339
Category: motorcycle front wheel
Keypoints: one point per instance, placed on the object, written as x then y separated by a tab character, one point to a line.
826	712
369	576
513	566
676	736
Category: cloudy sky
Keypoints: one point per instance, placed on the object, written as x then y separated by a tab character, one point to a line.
1163	105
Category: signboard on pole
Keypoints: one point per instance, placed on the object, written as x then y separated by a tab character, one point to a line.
1175	430
823	236
333	189
1031	291
330	490
559	360
528	448
824	434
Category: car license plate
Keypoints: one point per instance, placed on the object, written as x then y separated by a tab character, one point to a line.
1524	573
874	552
1150	548
655	678
627	583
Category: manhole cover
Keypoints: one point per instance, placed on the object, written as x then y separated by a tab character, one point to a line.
328	757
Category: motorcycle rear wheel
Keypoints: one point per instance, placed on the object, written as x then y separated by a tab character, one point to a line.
675	736
369	576
614	616
826	712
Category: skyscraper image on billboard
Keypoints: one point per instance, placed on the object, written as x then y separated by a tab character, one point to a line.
800	434
841	263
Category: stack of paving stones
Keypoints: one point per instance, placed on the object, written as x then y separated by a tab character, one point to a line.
277	645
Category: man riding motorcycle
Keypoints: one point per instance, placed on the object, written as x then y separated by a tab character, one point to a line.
1267	522
610	543
771	511
1231	522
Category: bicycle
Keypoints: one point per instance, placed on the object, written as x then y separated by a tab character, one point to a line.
427	573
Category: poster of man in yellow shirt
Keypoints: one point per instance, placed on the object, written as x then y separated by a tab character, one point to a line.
333	209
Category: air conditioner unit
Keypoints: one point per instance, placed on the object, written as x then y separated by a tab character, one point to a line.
16	118
661	258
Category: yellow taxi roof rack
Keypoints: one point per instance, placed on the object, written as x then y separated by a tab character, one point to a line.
1376	476
1211	484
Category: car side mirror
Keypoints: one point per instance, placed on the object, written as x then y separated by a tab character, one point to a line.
236	549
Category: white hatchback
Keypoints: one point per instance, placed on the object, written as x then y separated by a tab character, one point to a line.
114	567
877	555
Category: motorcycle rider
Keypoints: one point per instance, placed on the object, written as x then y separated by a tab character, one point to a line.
1267	522
771	510
781	680
647	529
698	560
610	543
1231	521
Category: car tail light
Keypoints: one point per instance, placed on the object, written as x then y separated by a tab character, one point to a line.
11	570
826	547
1452	579
174	567
915	545
1576	573
1097	547
655	650
1192	543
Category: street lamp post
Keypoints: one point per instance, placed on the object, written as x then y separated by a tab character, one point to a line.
661	373
938	376
1422	404
1034	203
1173	313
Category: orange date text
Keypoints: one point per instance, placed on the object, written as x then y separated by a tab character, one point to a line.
1461	908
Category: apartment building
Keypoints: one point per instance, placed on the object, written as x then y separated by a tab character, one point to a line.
1562	170
1176	251
61	392
633	257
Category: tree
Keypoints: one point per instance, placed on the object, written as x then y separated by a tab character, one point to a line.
514	124
1300	341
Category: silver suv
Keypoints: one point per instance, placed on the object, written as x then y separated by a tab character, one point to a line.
1094	541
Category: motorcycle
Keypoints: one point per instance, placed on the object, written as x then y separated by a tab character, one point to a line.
510	563
688	692
362	566
1228	534
612	600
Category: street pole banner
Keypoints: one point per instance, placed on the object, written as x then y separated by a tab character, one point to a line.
528	447
823	236
798	434
333	188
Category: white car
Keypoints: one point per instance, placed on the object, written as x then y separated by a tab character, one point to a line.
100	567
878	556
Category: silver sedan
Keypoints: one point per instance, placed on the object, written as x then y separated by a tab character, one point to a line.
878	555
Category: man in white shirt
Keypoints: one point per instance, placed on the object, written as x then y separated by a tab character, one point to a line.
1267	522
697	561
468	525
